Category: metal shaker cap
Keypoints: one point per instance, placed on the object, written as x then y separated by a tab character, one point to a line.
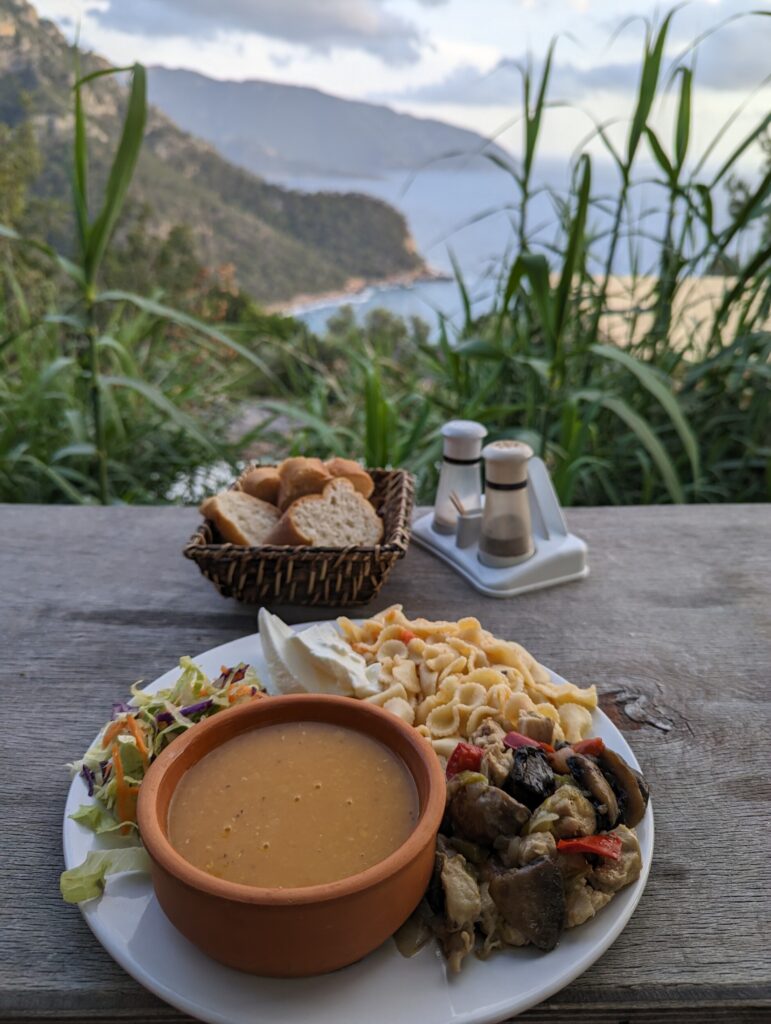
463	439
506	462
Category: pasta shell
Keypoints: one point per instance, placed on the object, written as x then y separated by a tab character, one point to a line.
444	720
401	708
349	629
392	649
576	722
564	693
427	679
472	695
425	707
445	745
395	690
455	668
486	676
478	715
517	702
498	695
406	673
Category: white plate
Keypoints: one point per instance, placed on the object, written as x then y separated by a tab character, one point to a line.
381	988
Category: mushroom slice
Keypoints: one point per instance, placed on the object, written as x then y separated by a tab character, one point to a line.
587	773
481	812
532	900
629	785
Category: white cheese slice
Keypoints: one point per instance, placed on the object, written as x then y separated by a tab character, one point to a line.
317	660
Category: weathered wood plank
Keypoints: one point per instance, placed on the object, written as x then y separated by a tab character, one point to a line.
674	625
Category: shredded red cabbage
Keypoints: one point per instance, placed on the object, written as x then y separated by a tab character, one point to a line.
191	709
120	707
88	776
194	709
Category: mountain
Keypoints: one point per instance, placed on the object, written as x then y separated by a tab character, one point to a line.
279	130
281	242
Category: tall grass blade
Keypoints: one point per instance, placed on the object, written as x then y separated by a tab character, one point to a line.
666	399
175	316
648	86
464	296
121	173
574	246
683	124
644	434
162	403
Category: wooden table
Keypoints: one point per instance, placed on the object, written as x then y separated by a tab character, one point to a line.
674	625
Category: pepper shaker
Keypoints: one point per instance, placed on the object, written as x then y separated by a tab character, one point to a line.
461	473
507	535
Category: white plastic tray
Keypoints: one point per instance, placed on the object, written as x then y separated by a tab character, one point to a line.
559	556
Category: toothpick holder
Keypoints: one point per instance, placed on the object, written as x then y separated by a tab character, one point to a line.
559	555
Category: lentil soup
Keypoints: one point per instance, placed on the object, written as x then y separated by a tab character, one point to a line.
291	805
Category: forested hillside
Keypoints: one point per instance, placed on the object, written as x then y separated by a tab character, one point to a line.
281	243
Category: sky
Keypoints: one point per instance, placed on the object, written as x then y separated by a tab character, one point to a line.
456	60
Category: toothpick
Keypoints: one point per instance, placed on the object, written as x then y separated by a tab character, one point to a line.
457	503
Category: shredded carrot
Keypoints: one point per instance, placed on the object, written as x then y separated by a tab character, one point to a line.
136	732
129	724
242	691
113	729
125	794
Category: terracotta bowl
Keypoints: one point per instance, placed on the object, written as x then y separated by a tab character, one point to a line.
303	931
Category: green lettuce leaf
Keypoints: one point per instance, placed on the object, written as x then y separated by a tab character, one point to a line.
98	819
86	881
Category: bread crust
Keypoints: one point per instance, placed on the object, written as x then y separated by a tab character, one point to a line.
299	477
350	470
262	482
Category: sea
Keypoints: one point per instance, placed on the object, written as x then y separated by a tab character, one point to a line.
466	216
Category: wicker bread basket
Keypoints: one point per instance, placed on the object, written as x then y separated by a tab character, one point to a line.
311	575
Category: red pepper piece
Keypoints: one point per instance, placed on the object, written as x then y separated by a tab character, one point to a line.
516	739
603	846
594	746
465	758
406	635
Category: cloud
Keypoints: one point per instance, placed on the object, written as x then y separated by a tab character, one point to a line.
501	86
318	25
736	58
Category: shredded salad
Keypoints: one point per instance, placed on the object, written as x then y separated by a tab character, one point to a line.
115	764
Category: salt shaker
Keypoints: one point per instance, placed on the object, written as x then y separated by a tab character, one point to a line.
461	472
507	535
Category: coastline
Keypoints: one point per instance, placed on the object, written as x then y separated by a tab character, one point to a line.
353	287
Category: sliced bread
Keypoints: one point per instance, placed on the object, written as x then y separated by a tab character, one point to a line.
352	471
240	518
262	482
298	477
336	518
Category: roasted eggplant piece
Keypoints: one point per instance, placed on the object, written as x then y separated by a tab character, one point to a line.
532	900
587	774
531	779
481	812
